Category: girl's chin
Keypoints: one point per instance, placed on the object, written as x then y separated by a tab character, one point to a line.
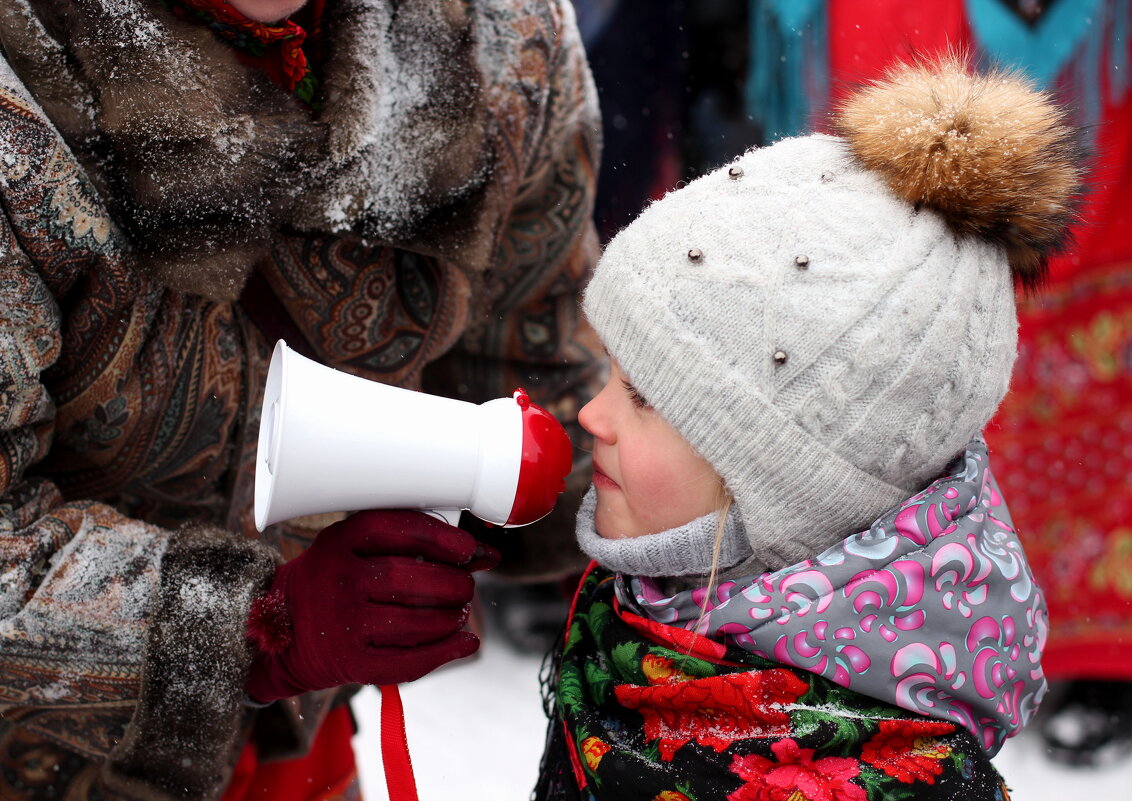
603	524
609	528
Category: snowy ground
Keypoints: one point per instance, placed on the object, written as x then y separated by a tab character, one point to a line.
477	728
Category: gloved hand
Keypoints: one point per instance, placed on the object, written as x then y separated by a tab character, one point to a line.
378	598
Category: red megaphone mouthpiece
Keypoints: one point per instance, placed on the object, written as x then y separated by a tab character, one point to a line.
546	461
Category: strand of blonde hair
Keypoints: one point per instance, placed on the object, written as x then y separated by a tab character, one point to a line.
724	504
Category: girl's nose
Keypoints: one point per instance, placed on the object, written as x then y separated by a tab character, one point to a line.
594	419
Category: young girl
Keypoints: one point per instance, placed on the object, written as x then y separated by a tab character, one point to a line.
806	584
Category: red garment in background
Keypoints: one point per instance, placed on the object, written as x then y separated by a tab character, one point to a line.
1062	441
326	773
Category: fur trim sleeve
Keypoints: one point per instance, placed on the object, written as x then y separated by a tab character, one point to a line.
181	743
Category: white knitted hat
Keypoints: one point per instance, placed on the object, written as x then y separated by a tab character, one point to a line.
829	335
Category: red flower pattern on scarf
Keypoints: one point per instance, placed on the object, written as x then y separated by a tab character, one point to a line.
796	776
907	750
674	637
714	711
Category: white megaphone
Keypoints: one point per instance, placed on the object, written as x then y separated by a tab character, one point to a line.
333	442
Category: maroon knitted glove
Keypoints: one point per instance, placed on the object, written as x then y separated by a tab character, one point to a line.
378	598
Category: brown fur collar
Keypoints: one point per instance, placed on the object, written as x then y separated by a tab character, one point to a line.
201	159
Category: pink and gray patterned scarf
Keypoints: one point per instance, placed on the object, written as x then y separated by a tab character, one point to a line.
933	608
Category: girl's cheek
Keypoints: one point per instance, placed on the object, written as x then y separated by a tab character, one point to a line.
652	485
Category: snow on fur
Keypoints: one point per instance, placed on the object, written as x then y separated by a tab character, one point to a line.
992	154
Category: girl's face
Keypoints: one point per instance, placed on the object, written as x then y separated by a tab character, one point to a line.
648	479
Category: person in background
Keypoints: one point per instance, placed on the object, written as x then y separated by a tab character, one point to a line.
670	78
638	53
400	190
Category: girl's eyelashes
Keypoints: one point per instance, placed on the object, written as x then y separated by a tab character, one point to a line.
635	397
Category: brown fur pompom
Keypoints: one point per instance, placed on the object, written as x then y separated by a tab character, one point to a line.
996	157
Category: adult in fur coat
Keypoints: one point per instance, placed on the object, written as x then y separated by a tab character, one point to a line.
401	190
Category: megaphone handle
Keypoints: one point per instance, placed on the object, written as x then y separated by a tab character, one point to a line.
399	780
449	516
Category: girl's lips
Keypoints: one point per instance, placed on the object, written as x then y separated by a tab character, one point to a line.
602	481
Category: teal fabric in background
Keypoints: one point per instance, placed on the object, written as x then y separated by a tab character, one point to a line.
1073	34
788	65
1080	42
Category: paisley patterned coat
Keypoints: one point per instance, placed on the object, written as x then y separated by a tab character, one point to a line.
166	213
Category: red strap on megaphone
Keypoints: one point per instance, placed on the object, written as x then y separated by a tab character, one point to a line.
399	780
